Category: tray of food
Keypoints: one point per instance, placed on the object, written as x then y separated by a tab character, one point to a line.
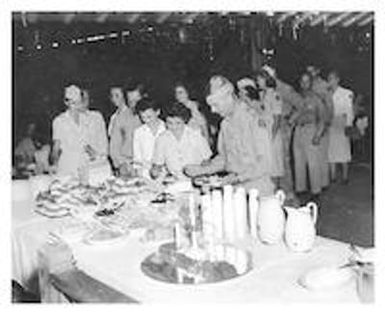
213	181
197	265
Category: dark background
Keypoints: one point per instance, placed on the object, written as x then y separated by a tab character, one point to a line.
160	57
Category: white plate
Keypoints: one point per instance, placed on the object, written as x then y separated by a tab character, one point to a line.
118	238
325	278
53	214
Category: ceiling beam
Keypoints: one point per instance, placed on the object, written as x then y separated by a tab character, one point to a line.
286	15
102	17
319	19
69	17
367	20
304	17
132	17
190	18
162	17
354	19
334	21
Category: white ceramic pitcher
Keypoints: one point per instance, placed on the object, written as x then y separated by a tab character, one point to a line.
271	218
300	229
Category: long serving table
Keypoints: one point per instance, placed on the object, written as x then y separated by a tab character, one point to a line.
117	268
273	279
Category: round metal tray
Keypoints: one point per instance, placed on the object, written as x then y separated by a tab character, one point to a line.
229	262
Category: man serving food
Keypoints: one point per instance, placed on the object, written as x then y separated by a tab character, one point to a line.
239	152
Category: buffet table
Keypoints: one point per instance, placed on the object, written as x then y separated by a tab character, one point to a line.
274	277
29	233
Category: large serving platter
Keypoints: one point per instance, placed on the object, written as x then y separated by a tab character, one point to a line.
221	266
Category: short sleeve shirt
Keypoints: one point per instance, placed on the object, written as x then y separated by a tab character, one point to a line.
192	148
343	104
144	142
239	145
73	137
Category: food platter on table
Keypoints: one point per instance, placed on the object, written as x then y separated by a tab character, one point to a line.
134	207
213	181
68	193
188	266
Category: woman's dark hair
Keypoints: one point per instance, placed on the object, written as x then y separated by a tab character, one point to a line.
178	110
335	72
270	81
252	93
131	86
145	104
187	87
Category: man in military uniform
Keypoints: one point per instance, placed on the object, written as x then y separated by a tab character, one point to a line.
321	88
239	152
310	128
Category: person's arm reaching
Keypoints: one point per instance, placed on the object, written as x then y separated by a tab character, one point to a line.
158	158
215	165
56	152
57	133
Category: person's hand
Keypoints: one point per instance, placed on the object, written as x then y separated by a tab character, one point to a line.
205	163
262	123
193	170
156	171
90	151
231	178
316	140
52	169
126	171
270	70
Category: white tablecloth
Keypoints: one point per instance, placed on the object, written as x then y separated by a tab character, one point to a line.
29	233
274	278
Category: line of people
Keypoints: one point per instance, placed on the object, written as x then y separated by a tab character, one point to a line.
265	122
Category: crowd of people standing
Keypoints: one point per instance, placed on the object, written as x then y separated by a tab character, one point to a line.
271	136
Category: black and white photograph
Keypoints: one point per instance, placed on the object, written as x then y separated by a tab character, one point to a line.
192	156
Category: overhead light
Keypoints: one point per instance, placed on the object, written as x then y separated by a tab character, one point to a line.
113	35
150	28
126	33
55	44
38	47
20	48
73	41
92	38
